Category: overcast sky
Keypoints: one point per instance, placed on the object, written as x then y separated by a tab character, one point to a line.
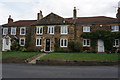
28	9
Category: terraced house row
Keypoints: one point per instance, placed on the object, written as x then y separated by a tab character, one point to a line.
45	32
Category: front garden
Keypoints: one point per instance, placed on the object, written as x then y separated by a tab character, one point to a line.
81	57
17	57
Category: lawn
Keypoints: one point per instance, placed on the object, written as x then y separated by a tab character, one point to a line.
18	55
80	56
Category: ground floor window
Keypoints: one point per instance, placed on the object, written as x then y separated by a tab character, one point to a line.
38	42
63	42
86	42
116	43
22	41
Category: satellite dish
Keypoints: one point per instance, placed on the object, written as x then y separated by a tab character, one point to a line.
119	4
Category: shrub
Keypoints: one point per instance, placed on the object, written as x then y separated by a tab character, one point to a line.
15	45
24	50
75	46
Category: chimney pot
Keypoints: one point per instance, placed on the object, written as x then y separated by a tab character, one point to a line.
10	20
74	13
39	15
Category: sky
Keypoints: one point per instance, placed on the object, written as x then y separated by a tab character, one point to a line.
28	9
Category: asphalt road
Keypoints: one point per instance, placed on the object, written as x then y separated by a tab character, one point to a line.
37	71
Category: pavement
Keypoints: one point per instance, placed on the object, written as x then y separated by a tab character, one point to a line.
33	61
38	71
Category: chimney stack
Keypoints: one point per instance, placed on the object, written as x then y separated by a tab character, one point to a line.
74	13
39	15
10	20
118	12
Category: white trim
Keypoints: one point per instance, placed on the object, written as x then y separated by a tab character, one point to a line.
45	46
62	31
64	42
86	43
4	31
114	28
39	41
101	46
24	30
50	29
12	31
115	43
86	28
38	28
20	41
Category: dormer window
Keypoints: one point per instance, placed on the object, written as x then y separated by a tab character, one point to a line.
13	31
51	30
115	28
39	30
86	29
22	31
5	31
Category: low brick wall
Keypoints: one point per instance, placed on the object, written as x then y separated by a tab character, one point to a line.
76	63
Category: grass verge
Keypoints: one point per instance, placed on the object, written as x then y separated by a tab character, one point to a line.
81	57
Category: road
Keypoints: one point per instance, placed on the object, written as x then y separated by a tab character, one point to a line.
37	71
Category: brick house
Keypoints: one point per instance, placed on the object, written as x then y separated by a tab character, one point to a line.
51	29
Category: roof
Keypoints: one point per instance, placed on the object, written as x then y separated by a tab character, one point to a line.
52	19
93	20
20	23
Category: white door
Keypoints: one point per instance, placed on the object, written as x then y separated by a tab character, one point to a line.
6	44
100	46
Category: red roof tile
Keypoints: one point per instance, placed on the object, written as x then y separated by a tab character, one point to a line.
20	23
93	20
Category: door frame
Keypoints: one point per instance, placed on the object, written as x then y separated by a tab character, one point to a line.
45	45
103	46
4	43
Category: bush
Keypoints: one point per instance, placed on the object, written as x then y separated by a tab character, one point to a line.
24	50
15	45
75	46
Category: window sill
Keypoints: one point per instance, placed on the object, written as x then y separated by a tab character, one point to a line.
63	46
38	45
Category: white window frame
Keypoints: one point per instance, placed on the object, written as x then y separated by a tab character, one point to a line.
39	42
20	41
64	30
86	28
115	43
24	30
114	28
86	42
49	31
63	42
4	31
39	28
12	29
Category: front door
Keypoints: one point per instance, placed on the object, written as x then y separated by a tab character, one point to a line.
47	45
100	46
6	44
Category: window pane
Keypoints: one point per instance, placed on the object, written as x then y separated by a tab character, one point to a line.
88	42
84	42
22	41
65	42
61	42
117	42
40	42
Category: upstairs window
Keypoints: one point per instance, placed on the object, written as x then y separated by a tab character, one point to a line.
22	31
13	31
115	28
50	30
86	29
5	31
63	42
22	41
38	42
39	30
116	43
86	42
64	30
